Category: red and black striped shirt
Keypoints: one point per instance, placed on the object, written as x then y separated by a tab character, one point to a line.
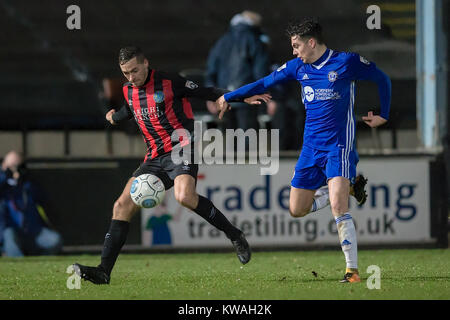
161	106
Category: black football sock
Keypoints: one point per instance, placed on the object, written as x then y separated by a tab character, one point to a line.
114	240
210	213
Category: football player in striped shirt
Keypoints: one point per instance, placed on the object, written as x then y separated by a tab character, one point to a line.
329	156
159	103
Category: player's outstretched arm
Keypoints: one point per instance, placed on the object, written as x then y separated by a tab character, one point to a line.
114	117
258	98
223	106
373	121
361	69
257	90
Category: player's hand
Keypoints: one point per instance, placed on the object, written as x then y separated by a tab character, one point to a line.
212	107
258	99
109	116
373	121
222	106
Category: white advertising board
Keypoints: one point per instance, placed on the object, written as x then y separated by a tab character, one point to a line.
397	209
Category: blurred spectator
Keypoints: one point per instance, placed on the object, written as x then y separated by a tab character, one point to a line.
112	92
240	56
24	226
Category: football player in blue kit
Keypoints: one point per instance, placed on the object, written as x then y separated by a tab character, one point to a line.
326	169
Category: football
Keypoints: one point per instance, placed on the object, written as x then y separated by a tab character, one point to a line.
147	191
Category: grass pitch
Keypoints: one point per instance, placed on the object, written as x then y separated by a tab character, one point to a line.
405	274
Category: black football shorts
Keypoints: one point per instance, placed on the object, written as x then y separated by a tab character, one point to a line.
164	168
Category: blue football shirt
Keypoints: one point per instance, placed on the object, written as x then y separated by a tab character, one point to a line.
328	93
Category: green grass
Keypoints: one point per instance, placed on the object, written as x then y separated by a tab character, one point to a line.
405	274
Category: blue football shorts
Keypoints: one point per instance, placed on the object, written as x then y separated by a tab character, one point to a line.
315	167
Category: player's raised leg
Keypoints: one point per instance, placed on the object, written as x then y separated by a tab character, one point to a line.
307	194
339	194
300	201
187	196
123	210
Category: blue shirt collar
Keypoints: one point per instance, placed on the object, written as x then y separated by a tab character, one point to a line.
322	58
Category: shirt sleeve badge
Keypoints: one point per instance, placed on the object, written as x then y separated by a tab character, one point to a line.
363	60
191	85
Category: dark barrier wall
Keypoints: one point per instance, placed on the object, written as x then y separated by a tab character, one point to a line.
81	194
80	197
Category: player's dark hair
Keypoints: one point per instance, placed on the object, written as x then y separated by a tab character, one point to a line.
128	53
306	28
